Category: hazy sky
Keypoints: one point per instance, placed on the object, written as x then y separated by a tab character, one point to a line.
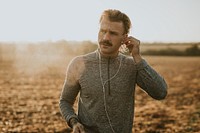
45	20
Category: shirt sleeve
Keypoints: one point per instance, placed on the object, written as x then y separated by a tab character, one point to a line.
150	81
69	93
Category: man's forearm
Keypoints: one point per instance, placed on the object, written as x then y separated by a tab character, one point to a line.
150	81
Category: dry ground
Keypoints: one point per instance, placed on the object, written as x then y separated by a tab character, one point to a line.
29	97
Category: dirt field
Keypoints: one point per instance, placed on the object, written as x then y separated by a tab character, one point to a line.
30	90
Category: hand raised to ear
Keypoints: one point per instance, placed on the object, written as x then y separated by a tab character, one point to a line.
133	45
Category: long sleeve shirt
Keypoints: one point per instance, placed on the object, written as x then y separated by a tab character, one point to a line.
107	91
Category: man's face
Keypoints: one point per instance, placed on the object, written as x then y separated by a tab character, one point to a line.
110	36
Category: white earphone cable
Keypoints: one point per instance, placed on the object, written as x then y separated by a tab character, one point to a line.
103	85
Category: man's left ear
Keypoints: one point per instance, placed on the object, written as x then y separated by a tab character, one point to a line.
125	36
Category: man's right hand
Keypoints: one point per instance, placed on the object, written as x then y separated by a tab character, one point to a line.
78	128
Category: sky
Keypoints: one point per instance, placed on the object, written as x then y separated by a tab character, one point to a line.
78	20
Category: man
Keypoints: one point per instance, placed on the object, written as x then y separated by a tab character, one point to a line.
106	81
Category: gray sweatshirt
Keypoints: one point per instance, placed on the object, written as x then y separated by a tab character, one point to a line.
107	87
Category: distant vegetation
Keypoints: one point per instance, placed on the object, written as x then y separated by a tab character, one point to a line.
68	49
191	50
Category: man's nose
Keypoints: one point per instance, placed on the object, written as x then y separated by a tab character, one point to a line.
106	36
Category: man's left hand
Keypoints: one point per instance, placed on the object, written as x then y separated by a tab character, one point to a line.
133	45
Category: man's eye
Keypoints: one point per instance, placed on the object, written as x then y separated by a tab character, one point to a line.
113	33
102	31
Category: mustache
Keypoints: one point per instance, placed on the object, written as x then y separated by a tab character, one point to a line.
105	42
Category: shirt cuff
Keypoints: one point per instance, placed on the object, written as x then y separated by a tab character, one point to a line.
69	117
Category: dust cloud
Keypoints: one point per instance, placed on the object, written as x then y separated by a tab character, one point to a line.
31	79
36	58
